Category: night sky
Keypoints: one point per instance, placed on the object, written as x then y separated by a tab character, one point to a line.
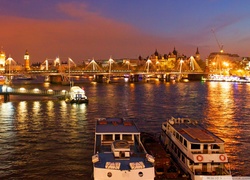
87	29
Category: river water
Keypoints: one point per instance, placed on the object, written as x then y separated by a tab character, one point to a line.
45	138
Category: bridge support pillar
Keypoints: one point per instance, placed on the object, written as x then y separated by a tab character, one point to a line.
134	78
161	78
57	79
6	97
99	78
167	77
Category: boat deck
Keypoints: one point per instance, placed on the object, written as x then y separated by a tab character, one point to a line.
195	133
124	163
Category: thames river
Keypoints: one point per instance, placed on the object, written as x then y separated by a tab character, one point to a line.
45	138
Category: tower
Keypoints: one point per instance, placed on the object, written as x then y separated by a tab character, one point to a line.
2	59
197	55
26	61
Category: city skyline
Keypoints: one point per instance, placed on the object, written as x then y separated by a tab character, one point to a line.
95	29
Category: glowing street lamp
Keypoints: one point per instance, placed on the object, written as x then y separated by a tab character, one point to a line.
110	62
147	64
181	62
128	63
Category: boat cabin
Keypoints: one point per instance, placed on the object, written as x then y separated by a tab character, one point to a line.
118	152
117	135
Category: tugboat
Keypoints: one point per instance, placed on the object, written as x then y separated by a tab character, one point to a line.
165	167
119	153
198	151
77	95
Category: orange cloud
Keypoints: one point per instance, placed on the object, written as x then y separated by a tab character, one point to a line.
81	35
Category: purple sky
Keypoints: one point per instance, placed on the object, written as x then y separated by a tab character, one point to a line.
86	29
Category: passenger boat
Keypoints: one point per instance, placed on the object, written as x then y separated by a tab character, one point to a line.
77	95
199	152
165	167
119	153
23	77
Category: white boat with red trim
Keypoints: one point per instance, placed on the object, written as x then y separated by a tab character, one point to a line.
119	153
198	151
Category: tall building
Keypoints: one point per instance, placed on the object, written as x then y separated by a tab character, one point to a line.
26	61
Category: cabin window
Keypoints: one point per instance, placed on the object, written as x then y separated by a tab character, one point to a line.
185	142
215	146
191	162
181	139
205	146
195	146
117	137
108	137
183	158
127	137
177	136
179	154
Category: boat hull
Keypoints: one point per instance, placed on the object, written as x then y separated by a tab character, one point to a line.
102	174
79	101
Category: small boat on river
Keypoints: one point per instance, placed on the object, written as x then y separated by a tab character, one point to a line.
119	153
198	151
77	95
165	167
24	77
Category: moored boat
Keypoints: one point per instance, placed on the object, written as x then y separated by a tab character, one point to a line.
199	152
119	153
165	167
23	77
77	95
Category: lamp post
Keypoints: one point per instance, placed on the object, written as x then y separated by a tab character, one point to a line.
110	62
128	63
181	62
147	63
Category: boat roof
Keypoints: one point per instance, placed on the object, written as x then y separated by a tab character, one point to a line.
116	125
195	133
76	89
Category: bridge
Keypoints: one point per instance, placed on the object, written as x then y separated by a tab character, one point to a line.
6	91
58	73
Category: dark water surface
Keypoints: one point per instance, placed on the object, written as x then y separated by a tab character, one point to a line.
44	138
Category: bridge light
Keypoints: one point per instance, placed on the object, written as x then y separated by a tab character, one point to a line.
22	89
36	90
50	91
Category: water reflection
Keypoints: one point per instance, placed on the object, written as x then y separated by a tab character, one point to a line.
224	115
50	139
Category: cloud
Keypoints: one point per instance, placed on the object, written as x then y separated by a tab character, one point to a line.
82	34
89	35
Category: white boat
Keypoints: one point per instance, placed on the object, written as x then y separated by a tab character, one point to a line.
199	152
77	95
222	78
119	153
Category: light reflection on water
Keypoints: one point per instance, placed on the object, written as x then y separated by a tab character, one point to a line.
50	139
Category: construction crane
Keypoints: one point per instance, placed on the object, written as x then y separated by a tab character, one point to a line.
220	46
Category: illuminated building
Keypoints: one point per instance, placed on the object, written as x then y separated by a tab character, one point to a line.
217	59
